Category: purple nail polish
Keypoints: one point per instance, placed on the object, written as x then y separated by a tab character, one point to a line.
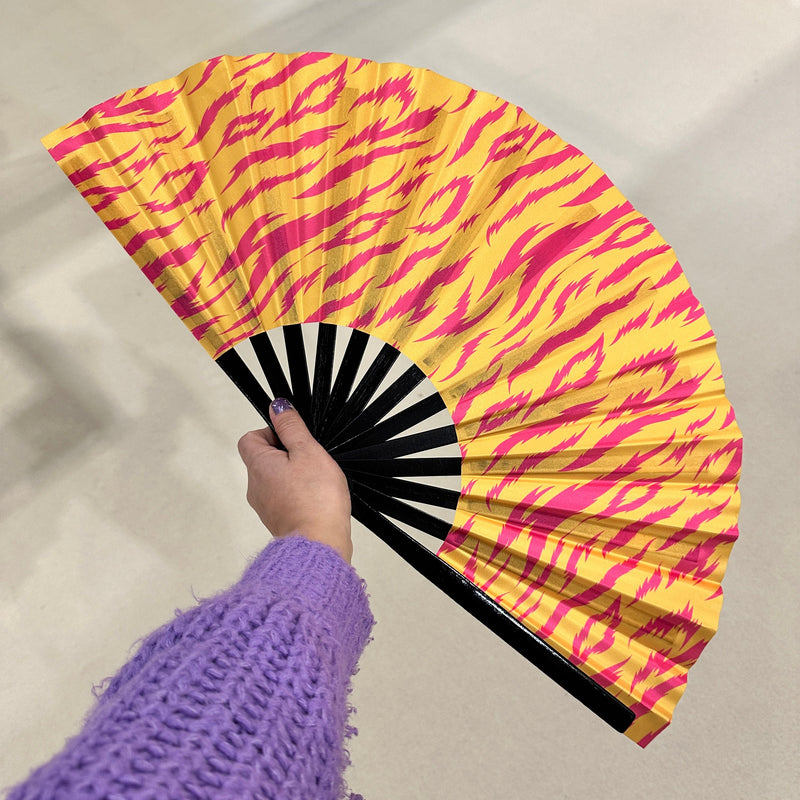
281	404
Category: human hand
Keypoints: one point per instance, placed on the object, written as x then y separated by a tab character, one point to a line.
300	490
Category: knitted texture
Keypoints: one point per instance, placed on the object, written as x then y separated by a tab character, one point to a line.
243	696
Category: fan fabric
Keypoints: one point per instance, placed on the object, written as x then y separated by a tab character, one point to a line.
600	456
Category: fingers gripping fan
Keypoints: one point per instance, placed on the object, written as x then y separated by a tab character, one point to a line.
362	231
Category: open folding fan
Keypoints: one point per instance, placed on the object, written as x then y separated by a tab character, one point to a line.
569	363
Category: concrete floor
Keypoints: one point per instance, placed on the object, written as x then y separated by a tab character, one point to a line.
122	493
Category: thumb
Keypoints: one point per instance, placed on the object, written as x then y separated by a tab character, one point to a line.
289	425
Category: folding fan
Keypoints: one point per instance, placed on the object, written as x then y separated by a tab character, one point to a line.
569	365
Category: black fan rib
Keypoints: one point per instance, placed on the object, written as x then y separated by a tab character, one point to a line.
270	366
323	375
298	370
404	467
235	368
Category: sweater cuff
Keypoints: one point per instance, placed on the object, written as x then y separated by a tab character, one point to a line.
296	566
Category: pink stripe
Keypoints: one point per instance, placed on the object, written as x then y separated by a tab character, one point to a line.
140	239
582	328
73	143
212	112
629	266
417	121
530	199
510	142
93	170
265	155
597	189
172	258
358	263
344	172
250	65
211	67
294	66
397	87
459	188
410	262
475	130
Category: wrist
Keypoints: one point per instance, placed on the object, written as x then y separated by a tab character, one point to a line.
342	544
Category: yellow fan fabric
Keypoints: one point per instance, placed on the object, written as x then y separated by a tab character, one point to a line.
600	455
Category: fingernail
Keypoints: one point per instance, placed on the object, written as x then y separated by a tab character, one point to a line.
281	404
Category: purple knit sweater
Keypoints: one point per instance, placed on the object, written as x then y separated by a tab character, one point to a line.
244	696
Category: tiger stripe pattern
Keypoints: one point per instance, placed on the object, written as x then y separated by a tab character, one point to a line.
600	455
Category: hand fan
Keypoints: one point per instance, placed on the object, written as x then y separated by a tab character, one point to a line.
568	364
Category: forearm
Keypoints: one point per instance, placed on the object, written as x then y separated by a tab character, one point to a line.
238	697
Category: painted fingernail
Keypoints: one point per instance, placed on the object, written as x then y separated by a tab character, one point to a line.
281	404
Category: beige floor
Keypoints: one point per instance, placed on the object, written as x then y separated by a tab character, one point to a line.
121	493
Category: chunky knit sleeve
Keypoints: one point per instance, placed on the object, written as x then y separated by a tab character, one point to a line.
243	696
